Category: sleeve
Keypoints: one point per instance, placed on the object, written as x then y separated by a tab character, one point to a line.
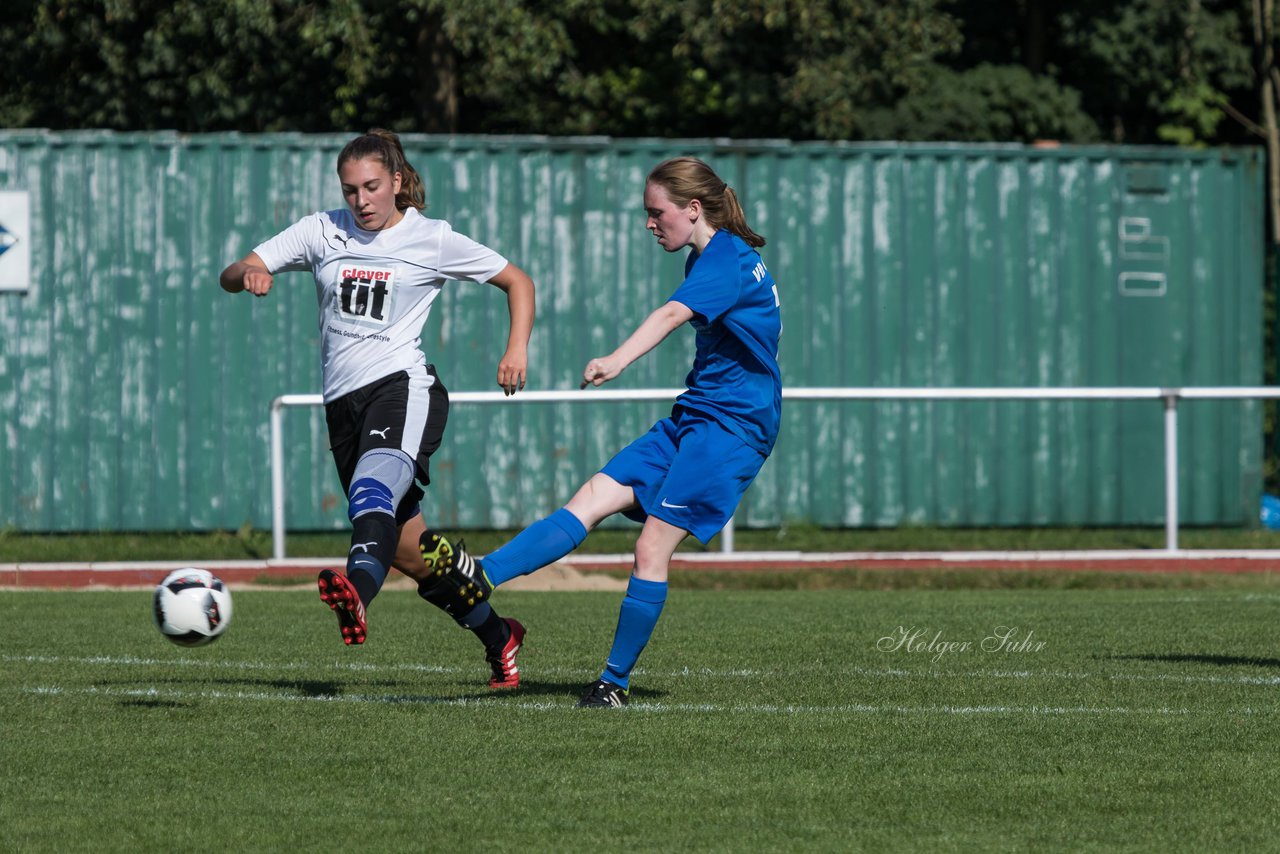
709	289
463	258
292	250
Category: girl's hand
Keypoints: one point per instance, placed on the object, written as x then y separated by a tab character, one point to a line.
600	370
257	281
511	372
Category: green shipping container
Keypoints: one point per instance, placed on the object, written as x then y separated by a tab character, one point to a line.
134	393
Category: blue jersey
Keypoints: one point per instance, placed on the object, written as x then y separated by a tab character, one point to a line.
737	315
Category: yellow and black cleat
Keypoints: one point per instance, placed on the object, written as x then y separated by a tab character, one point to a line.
437	553
456	582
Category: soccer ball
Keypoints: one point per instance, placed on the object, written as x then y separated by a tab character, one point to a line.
192	607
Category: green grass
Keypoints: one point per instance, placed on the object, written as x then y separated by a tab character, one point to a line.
249	543
762	721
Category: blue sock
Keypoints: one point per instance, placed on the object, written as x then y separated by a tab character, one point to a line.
476	617
543	542
366	575
639	614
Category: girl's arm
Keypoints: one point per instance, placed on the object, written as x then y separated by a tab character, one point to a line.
648	335
513	367
248	274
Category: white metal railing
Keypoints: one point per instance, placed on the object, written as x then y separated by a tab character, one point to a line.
1169	396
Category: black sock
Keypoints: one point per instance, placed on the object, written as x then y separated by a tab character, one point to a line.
373	547
492	630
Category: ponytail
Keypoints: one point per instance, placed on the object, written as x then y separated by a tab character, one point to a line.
384	146
688	178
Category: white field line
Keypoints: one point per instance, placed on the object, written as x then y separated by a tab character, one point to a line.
705	708
133	661
686	672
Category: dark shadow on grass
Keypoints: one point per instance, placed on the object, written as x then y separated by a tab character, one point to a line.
390	691
154	704
303	687
317	687
534	690
530	690
1192	658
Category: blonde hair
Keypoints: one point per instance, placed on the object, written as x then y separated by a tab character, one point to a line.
384	146
688	178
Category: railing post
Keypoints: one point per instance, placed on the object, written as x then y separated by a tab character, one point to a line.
277	479
1171	470
726	537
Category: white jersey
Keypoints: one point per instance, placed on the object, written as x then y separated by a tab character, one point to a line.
375	288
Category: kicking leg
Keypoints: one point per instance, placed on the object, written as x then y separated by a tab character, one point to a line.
461	581
547	540
461	585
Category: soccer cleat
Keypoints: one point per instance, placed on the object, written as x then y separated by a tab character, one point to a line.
455	581
505	672
338	593
603	694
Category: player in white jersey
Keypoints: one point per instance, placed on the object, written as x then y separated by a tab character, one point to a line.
379	264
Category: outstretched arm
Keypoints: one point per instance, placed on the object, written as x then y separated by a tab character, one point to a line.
513	367
248	274
648	335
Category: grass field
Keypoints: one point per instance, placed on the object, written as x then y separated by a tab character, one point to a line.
1142	719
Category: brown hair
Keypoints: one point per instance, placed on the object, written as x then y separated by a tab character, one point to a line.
688	178
384	146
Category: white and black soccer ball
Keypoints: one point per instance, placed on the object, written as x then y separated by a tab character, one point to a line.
192	607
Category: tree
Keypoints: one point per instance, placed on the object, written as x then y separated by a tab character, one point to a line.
1144	71
990	103
785	68
251	65
1148	71
1268	77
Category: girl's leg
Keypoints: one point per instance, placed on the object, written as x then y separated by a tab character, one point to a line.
458	582
642	605
408	558
460	585
547	540
501	636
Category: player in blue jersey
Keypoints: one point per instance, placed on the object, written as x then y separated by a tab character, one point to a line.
688	473
379	265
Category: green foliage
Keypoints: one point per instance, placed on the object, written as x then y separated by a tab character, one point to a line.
189	65
990	103
1193	115
1151	70
1156	69
621	67
692	68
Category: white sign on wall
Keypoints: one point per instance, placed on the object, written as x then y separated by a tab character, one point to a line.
1139	247
15	240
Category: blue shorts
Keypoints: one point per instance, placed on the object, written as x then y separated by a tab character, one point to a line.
687	471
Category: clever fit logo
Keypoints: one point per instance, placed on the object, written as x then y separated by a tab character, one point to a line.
364	294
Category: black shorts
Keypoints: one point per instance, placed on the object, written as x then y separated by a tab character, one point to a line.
393	412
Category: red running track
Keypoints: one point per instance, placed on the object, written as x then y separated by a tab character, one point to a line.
90	575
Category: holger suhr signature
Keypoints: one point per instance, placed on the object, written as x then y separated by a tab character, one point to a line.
925	641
